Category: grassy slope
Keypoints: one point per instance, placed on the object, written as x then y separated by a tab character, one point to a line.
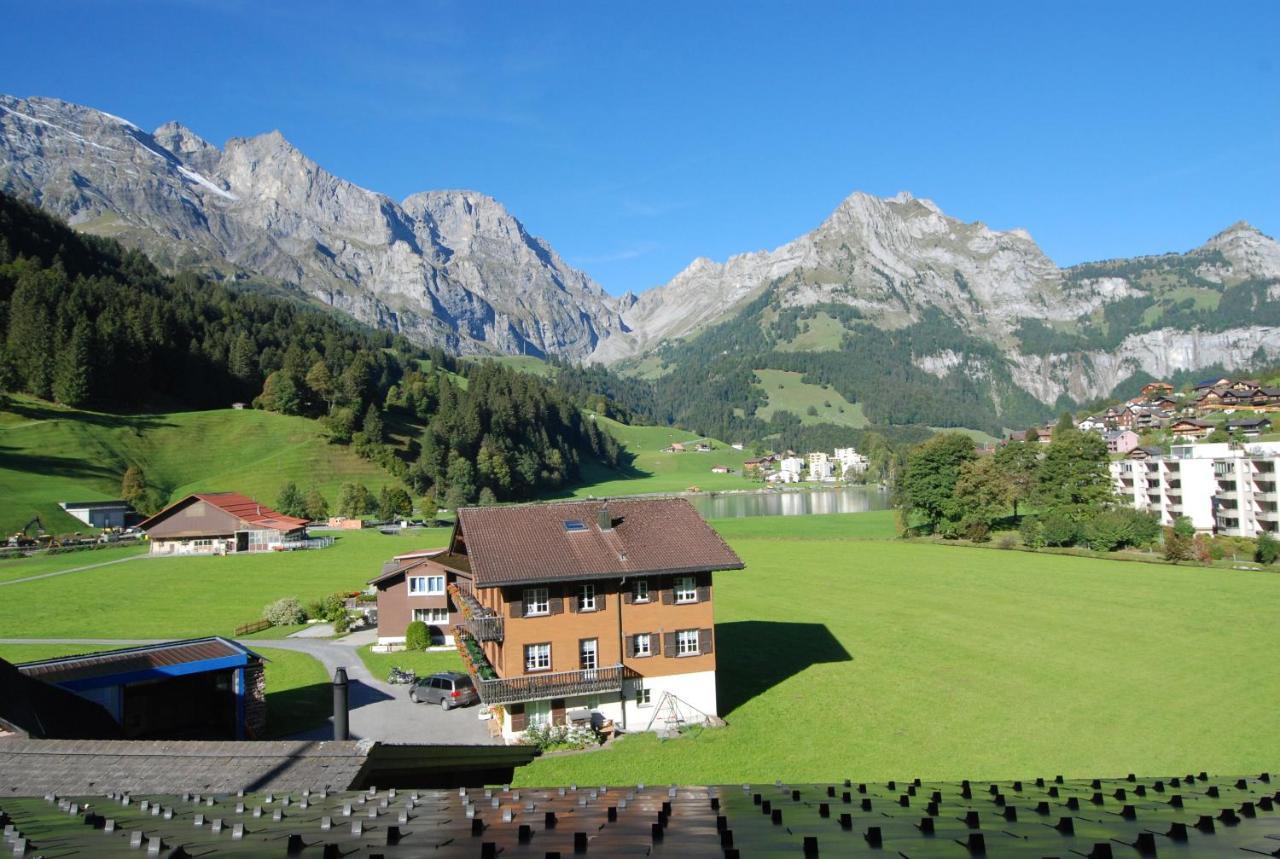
787	393
878	659
819	333
50	454
183	597
655	471
299	694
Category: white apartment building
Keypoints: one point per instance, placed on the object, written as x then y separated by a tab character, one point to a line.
851	462
1221	488
820	469
793	466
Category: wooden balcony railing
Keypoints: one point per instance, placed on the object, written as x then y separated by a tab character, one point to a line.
558	684
477	619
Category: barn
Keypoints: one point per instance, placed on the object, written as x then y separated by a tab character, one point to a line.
221	523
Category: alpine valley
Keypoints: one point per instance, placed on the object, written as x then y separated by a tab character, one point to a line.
890	312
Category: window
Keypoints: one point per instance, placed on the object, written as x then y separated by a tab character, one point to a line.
537	714
687	642
537	657
641	593
574	526
643	645
588	654
686	589
587	598
431	615
426	585
644	697
536	601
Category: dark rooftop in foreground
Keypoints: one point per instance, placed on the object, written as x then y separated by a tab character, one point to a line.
65	669
1117	817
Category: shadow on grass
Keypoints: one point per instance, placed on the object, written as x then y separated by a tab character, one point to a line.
753	656
52	466
38	412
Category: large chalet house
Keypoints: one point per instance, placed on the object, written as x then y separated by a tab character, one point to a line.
573	608
221	523
1238	394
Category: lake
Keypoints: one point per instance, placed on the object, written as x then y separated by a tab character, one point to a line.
849	499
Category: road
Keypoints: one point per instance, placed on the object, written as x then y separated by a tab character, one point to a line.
378	710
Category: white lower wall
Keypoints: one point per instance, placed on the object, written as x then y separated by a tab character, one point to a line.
696	690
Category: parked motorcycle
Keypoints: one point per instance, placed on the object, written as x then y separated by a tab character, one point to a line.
400	676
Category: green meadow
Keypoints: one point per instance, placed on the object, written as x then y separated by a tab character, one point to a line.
848	656
193	596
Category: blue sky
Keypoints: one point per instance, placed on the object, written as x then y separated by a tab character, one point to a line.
636	137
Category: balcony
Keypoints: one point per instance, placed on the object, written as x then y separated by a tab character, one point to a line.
557	684
477	619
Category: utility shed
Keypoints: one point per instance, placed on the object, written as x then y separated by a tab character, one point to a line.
204	688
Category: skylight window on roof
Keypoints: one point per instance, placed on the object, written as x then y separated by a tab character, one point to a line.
573	525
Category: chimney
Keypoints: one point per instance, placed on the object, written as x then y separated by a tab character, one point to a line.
341	710
603	519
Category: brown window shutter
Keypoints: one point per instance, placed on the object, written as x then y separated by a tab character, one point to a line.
516	604
655	643
572	601
705	637
704	587
518	718
557	711
555	605
601	602
628	594
669	643
668	591
631	645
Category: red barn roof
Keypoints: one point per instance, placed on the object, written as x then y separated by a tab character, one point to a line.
234	504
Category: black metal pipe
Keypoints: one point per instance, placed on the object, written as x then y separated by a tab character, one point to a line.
340	726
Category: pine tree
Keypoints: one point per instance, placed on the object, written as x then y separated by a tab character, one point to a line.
242	359
373	431
72	374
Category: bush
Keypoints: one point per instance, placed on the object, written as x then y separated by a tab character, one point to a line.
1267	549
1176	546
1109	530
342	623
1006	542
1059	530
1032	532
549	737
334	606
314	609
416	636
284	612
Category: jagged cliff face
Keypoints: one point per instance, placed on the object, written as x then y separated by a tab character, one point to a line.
452	268
455	268
894	259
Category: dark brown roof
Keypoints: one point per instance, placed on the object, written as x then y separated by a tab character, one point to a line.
67	668
240	506
42	710
526	543
401	564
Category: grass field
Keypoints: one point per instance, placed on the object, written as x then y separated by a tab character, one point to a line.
652	470
49	454
877	659
787	392
183	597
36	565
821	332
299	694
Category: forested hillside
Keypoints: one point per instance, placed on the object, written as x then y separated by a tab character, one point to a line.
87	324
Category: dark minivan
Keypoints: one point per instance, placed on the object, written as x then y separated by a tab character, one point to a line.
450	689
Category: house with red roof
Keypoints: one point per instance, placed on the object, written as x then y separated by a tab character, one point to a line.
221	523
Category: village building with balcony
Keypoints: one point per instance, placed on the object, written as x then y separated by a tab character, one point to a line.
590	612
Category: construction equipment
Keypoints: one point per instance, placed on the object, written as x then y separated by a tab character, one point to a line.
23	538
